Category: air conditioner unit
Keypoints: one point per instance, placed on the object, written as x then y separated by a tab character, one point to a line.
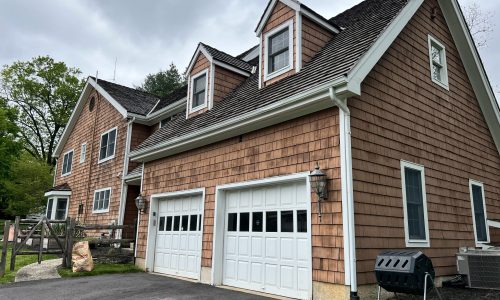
482	267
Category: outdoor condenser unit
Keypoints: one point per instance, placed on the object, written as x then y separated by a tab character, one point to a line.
482	267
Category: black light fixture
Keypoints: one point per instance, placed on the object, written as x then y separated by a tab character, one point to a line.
318	182
140	203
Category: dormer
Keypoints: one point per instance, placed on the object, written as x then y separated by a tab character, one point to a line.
212	75
290	34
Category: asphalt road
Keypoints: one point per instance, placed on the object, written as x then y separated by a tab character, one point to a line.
121	287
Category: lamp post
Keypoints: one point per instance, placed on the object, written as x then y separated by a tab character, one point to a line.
318	182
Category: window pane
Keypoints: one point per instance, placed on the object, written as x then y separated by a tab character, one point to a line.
232	221
96	200
199	222
477	196
278	42
169	223
161	227
436	72
185	223
49	209
177	221
414	204
193	222
104	146
271	221
61	209
111	143
199	84
257	221
287	221
302	221
70	161
436	54
244	222
83	152
279	61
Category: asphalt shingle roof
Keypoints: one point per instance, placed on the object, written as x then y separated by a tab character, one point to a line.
132	100
174	96
135	172
362	25
228	59
61	188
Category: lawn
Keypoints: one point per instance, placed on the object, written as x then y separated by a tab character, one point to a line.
101	269
21	261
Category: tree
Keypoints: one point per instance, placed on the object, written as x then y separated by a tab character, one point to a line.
164	82
479	22
29	179
44	92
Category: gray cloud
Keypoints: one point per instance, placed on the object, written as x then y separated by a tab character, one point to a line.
145	36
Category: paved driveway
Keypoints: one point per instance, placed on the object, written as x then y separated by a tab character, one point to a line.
120	287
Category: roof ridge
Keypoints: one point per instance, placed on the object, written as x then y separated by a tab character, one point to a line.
124	86
246	66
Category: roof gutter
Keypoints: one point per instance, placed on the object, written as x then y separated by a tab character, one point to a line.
292	107
157	116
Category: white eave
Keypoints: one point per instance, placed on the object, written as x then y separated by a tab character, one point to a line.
57	193
153	118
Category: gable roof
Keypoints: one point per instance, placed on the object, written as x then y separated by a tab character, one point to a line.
222	59
332	64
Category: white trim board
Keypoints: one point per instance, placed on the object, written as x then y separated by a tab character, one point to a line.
288	24
99	160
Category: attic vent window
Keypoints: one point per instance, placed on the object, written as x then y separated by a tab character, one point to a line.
92	104
278	46
437	57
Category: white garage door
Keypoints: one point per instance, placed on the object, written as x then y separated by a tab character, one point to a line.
178	240
267	244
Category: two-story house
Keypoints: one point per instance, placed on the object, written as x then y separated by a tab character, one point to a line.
389	99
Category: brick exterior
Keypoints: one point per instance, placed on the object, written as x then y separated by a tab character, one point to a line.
314	38
291	147
403	115
89	176
280	14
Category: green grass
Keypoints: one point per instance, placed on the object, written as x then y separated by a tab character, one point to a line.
21	261
100	269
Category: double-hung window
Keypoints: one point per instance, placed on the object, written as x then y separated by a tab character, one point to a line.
479	212
101	200
67	163
414	205
57	208
83	152
279	50
437	57
108	144
199	91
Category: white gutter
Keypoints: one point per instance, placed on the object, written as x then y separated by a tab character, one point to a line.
347	193
124	190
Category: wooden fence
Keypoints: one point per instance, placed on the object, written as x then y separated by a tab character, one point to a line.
38	237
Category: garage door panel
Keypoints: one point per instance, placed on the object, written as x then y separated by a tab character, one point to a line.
267	246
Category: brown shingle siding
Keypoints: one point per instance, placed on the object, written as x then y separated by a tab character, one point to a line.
225	82
314	38
403	115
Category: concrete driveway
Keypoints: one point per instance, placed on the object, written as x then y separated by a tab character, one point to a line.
121	287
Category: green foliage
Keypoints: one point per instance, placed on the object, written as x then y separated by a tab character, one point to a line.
100	269
164	82
44	92
28	180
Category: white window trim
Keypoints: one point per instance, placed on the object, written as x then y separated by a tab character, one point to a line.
100	145
54	206
480	184
101	211
267	35
444	83
82	158
62	167
191	87
411	243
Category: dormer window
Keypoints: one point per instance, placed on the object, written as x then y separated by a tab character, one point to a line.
279	54
199	90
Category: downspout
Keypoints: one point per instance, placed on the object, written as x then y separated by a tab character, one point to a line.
123	196
139	217
347	192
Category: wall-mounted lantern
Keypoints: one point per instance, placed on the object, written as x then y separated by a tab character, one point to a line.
318	182
140	203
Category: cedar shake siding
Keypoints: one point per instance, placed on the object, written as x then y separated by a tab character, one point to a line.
140	132
200	65
89	176
280	14
291	147
402	115
225	82
314	38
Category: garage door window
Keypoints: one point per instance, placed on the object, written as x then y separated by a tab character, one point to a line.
302	221
244	222
271	221
232	222
169	224
287	221
161	227
185	220
193	222
177	221
257	221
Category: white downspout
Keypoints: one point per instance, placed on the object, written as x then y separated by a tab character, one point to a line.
347	193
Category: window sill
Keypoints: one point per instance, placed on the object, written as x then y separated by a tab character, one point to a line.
278	73
442	84
65	174
103	211
105	159
197	108
418	244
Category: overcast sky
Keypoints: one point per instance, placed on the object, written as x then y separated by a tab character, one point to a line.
145	36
